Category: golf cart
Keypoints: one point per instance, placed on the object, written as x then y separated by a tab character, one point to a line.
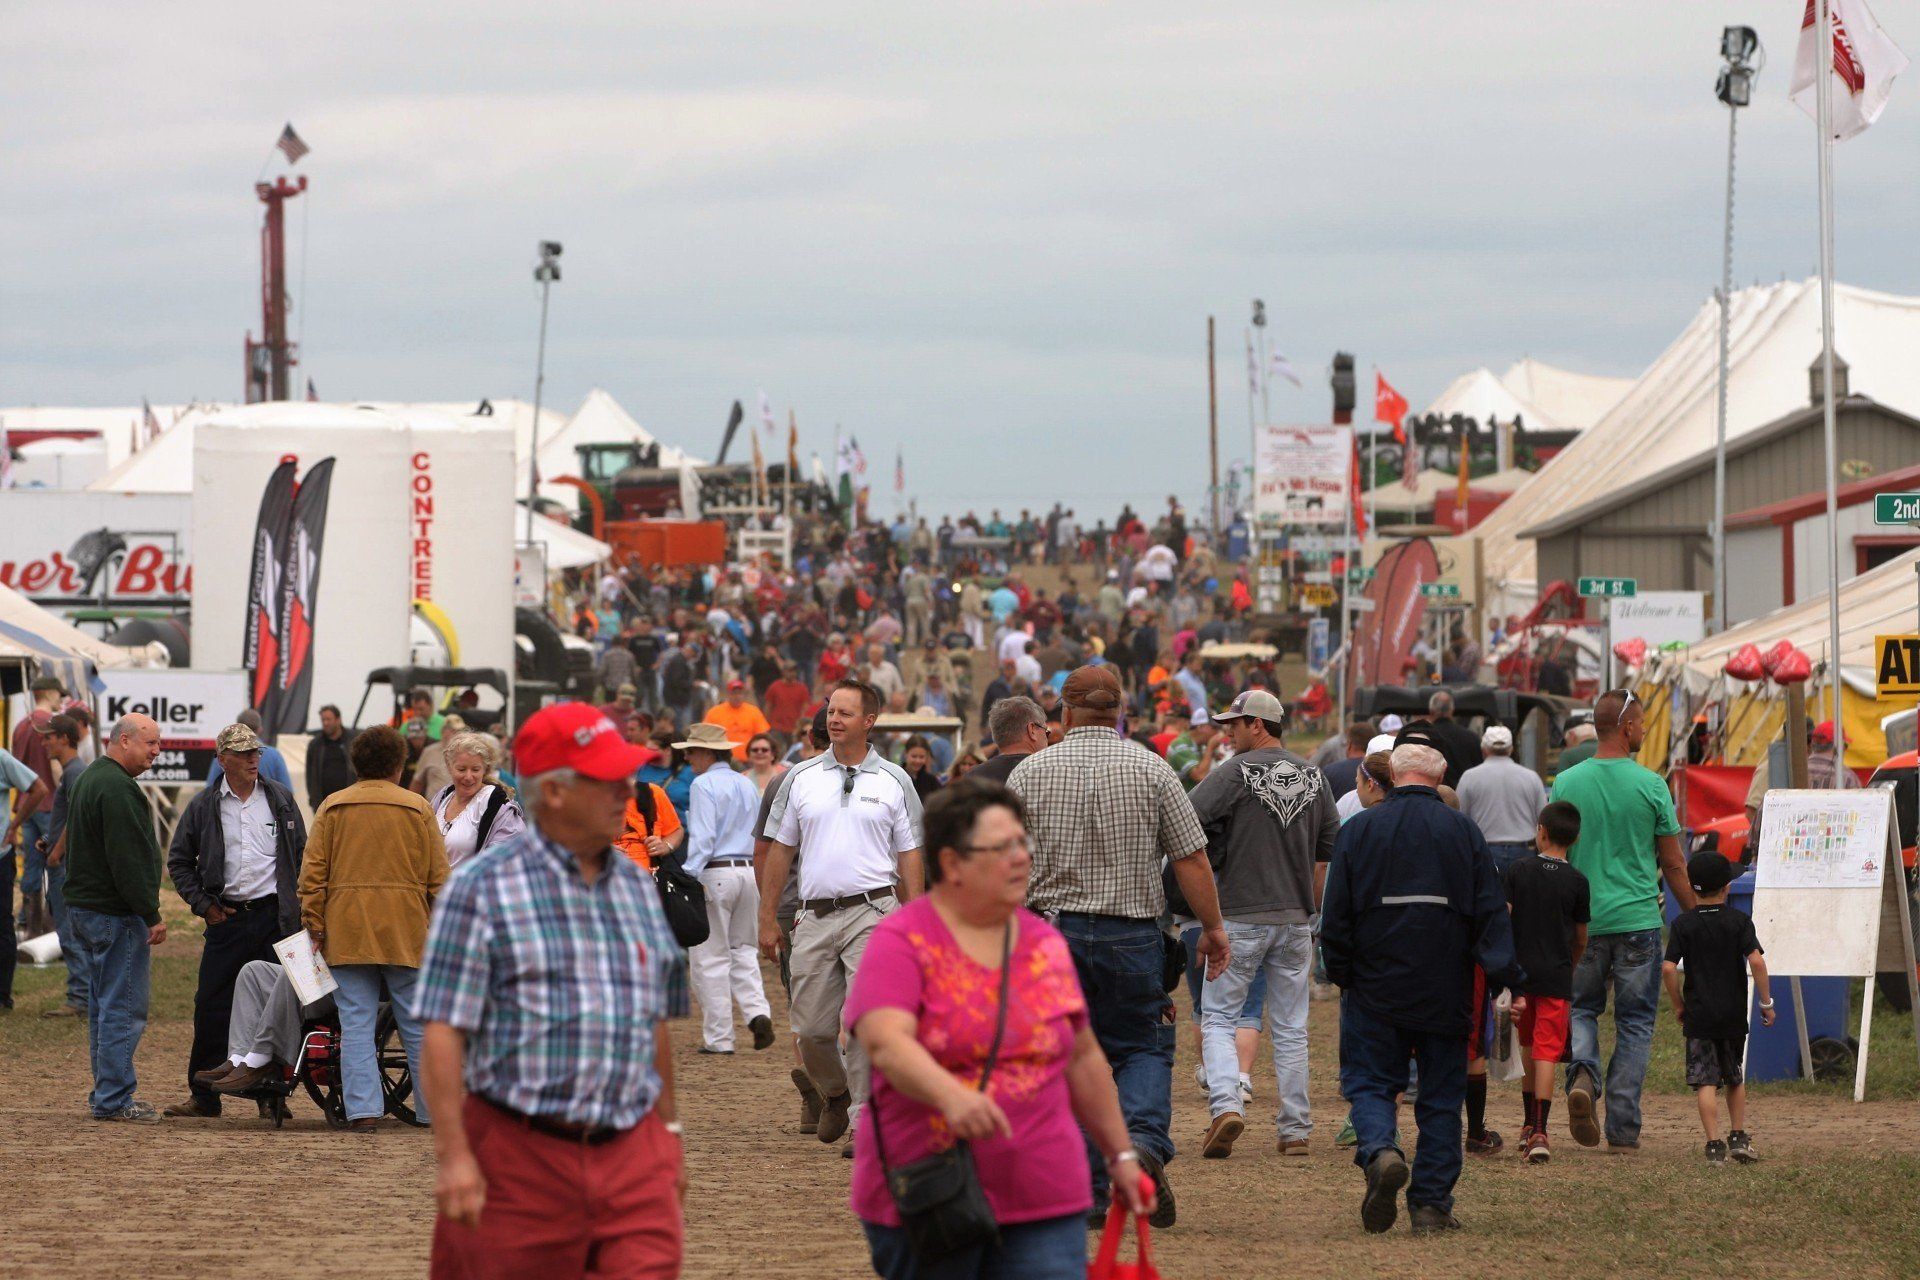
438	680
1538	720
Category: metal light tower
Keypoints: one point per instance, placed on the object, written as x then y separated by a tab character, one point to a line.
545	273
1742	57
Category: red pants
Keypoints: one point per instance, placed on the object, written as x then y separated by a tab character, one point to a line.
1544	1027
556	1208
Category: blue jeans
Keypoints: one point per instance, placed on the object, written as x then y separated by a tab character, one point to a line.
1374	1057
1119	964
358	1001
33	872
1505	855
1282	956
118	966
1631	962
63	929
1051	1249
1197	979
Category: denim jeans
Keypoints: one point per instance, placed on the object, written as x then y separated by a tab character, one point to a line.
1197	978
358	1001
1051	1249
1631	962
63	929
1505	855
1119	965
1283	955
1374	1057
118	966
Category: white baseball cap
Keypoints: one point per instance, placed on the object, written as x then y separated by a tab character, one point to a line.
1391	723
1497	738
1380	742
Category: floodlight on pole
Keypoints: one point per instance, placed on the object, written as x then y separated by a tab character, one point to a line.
545	272
1742	59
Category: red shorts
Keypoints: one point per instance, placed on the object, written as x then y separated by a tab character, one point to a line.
556	1208
1543	1027
1477	1017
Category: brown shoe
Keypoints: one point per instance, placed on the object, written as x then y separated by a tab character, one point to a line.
809	1102
191	1109
1226	1127
370	1124
833	1118
246	1079
212	1074
64	1010
1292	1146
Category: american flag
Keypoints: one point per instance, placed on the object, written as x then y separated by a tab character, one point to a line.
149	423
899	472
291	145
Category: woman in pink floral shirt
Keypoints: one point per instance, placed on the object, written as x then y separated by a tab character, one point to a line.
924	1006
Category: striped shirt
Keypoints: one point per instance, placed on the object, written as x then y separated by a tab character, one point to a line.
557	983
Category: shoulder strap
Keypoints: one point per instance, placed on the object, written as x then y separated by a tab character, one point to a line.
495	803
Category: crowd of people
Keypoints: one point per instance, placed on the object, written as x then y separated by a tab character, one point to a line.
1113	815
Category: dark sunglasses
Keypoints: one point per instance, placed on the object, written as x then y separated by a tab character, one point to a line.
846	788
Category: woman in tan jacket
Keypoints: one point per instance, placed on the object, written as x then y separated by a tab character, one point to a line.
374	862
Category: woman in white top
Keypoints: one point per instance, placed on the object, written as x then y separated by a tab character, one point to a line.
474	812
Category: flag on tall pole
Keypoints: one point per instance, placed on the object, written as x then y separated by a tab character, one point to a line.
899	471
1390	407
1864	64
149	423
766	413
1284	367
1253	370
290	144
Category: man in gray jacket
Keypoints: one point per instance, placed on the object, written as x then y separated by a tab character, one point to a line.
1270	823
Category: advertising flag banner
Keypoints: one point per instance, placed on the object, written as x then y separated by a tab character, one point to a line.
1864	64
301	576
261	644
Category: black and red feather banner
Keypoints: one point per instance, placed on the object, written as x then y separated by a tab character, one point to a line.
260	645
301	577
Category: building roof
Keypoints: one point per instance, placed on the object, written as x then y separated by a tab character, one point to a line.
1800	419
1792	510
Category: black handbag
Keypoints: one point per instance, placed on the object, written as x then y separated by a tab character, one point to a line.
682	897
942	1206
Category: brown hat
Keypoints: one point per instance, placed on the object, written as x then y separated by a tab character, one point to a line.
1095	689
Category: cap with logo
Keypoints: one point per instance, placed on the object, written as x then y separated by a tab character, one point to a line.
573	735
237	737
1254	704
706	737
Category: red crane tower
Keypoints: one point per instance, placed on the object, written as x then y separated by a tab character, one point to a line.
269	360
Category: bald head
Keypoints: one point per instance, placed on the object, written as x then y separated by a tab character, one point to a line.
134	743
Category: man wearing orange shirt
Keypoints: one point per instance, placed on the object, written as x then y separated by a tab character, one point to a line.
740	718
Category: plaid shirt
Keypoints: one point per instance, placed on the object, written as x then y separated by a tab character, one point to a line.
1103	811
558	984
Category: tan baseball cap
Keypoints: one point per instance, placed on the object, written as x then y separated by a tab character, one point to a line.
237	737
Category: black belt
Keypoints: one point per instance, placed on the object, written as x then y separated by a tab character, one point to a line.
265	902
585	1135
731	862
827	906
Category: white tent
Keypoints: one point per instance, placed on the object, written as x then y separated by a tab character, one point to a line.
567	547
601	420
1543	397
30	634
1668	415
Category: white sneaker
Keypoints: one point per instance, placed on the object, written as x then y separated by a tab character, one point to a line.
1200	1075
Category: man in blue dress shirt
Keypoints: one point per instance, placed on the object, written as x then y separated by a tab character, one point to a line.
721	809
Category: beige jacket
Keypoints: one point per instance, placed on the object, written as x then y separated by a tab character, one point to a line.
374	862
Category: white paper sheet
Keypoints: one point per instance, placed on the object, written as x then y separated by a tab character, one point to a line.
305	968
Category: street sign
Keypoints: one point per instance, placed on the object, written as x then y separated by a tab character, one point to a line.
1609	586
1359	574
1440	590
1896	665
1896	508
1317	595
1360	604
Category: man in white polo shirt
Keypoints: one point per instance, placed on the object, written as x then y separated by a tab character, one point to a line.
855	818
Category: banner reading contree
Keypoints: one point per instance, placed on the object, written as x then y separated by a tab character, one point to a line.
191	708
1301	474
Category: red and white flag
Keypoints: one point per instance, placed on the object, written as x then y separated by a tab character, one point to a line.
1865	62
1389	406
291	146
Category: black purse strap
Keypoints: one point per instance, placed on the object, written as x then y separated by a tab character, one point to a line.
993	1053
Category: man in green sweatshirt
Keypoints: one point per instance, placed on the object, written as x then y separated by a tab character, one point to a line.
113	905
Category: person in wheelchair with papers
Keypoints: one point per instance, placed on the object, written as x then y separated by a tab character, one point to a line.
267	1031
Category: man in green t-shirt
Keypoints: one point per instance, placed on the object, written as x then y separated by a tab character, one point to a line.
1190	755
1629	839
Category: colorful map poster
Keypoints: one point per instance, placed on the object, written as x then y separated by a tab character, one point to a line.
1822	840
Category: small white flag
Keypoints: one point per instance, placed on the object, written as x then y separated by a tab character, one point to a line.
1864	65
1282	367
766	413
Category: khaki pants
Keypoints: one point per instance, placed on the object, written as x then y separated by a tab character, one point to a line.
826	956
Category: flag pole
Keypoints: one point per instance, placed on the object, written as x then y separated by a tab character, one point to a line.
1823	90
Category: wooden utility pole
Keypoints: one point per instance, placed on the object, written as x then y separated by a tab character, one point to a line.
1213	433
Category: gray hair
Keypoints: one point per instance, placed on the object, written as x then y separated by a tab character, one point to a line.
1440	704
126	726
480	745
1579	733
530	786
1416	760
1008	720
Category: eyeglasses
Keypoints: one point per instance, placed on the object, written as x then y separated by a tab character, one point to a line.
1004	849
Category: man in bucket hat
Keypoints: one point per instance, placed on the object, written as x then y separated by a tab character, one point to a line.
235	858
555	1133
726	967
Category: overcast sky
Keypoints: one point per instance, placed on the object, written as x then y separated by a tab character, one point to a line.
987	234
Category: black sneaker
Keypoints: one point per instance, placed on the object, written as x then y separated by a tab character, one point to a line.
1386	1174
1429	1221
1716	1152
1164	1209
1740	1146
762	1028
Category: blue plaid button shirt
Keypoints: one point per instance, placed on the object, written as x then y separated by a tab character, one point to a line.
557	984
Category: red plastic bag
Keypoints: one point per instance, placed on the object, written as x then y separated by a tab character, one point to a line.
1792	668
1746	663
1106	1264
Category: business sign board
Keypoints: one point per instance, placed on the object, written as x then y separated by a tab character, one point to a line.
191	708
1302	475
67	549
1896	666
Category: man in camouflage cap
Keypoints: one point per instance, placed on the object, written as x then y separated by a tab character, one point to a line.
235	858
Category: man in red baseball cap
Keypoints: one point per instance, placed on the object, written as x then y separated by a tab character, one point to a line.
556	1137
740	718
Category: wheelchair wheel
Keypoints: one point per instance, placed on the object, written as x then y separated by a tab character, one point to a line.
396	1077
319	1073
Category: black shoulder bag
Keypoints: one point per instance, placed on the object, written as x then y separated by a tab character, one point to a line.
941	1203
682	897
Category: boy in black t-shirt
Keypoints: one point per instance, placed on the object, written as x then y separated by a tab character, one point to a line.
1714	942
1550	905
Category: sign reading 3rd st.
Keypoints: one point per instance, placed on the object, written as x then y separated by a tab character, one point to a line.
1608	587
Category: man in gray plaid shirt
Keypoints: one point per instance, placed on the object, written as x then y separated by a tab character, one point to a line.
1103	813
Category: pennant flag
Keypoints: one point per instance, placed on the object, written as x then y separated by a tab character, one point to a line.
1282	367
1389	406
290	144
1354	491
311	393
1864	65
